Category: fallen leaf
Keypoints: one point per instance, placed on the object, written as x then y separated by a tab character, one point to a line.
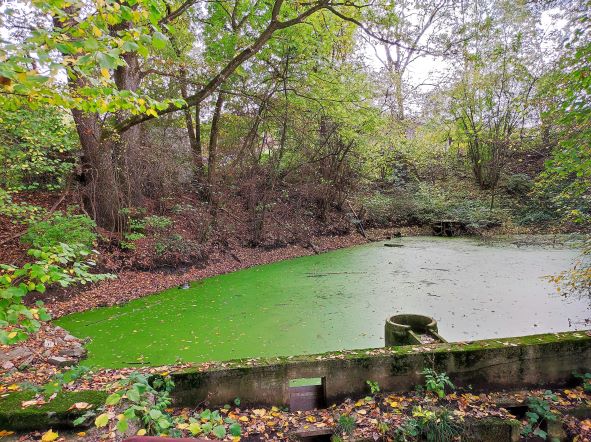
80	406
49	436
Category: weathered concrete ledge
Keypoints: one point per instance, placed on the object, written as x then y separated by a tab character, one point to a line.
57	413
547	360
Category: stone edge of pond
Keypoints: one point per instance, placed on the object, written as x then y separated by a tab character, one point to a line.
464	346
58	413
537	361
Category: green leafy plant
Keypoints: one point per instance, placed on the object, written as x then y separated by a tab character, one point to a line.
60	228
146	400
18	212
586	380
434	426
436	382
62	264
374	387
539	413
57	382
37	146
141	399
157	223
345	424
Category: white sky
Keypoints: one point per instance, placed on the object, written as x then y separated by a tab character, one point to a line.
425	69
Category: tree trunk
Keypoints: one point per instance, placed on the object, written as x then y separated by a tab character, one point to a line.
198	152
213	146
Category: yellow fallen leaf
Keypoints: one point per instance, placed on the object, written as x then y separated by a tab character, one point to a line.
80	406
361	411
49	436
141	432
81	434
243	418
5	433
360	403
235	438
11	335
13	387
311	419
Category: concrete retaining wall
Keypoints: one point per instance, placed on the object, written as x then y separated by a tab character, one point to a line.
531	361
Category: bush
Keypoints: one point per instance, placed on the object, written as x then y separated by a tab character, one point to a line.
436	203
382	209
61	264
519	184
37	146
60	228
19	213
175	249
157	223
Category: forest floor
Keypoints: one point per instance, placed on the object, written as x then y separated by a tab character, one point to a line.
381	416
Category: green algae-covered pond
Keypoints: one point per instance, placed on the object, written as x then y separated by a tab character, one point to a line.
339	300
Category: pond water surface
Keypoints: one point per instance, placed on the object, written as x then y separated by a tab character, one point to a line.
339	300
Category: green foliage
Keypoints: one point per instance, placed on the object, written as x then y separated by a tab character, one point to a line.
176	244
434	426
519	184
157	223
436	382
60	228
539	412
143	400
37	146
58	381
586	380
381	209
18	212
439	203
374	387
138	226
345	424
61	264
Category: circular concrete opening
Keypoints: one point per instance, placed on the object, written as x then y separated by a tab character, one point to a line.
398	327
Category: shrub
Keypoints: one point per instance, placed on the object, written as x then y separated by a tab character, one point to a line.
157	223
519	184
433	426
435	203
175	249
62	264
37	146
60	228
436	382
382	209
19	213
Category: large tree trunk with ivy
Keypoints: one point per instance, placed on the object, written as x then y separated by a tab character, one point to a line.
110	183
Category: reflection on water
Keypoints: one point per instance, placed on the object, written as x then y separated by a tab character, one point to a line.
339	300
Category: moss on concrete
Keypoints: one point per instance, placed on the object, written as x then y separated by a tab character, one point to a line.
370	353
54	414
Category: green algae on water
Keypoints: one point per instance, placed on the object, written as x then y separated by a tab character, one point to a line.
335	301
